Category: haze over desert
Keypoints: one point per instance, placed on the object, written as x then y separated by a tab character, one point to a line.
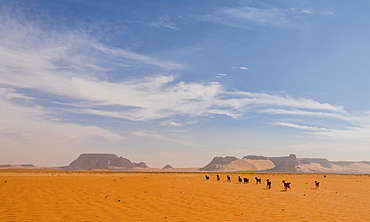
46	195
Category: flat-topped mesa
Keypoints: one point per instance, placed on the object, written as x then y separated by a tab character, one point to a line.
103	161
27	165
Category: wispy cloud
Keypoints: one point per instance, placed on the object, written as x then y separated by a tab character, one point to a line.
165	22
34	121
261	100
243	17
333	115
220	75
270	16
296	126
171	123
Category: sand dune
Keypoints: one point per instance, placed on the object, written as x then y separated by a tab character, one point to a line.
40	195
245	164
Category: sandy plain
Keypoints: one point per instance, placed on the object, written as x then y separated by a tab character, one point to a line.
45	195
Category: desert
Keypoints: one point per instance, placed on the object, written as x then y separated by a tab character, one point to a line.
100	195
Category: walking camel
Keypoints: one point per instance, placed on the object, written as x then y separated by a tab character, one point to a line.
258	180
228	178
286	185
240	179
317	184
268	184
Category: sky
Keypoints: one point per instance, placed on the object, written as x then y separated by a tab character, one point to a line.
180	82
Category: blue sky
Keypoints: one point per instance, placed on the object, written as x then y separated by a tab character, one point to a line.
179	82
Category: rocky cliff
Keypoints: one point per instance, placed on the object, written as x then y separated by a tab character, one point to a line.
103	161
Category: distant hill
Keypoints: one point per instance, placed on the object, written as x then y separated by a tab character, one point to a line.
103	161
167	167
285	164
17	166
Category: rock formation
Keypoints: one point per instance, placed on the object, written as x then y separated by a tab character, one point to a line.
167	167
285	164
103	161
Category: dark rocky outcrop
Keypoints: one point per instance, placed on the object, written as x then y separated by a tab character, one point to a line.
284	164
141	165
27	165
103	161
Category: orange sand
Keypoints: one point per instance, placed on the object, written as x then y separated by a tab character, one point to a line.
41	195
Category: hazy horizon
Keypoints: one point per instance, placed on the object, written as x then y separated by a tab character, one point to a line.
179	82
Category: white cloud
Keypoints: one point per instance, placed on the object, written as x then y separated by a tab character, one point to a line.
307	11
270	16
34	120
119	54
244	68
267	15
311	128
333	115
220	75
242	17
171	123
264	99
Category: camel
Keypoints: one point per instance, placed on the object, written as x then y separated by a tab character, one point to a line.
258	180
268	185
228	178
286	185
240	179
317	184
